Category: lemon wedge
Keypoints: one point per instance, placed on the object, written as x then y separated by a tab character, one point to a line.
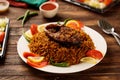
41	28
29	34
36	59
89	60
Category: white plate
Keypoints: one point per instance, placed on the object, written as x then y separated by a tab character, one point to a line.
99	43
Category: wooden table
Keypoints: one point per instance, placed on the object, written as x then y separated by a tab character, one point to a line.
108	69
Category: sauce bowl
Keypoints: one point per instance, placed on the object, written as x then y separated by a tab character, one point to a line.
49	9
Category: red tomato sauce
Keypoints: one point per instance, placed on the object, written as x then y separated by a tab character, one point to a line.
48	6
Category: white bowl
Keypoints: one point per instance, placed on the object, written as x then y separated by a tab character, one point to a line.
4	5
49	13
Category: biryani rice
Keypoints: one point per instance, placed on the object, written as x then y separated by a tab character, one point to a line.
41	44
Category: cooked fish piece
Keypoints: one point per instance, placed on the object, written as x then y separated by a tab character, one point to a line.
63	34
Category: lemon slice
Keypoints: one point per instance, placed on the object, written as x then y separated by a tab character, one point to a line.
89	60
41	28
36	59
29	34
72	23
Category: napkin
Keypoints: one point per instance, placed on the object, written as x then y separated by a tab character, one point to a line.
33	3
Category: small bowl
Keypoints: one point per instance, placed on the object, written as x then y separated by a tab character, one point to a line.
49	9
4	5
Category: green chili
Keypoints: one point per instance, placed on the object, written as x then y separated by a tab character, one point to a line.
66	20
62	64
29	15
25	17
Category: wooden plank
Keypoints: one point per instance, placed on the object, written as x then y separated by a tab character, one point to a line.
59	77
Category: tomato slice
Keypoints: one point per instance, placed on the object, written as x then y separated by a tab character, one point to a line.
27	54
94	54
80	0
80	24
33	29
107	2
2	34
38	65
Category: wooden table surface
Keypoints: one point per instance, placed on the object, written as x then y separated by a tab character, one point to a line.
108	69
